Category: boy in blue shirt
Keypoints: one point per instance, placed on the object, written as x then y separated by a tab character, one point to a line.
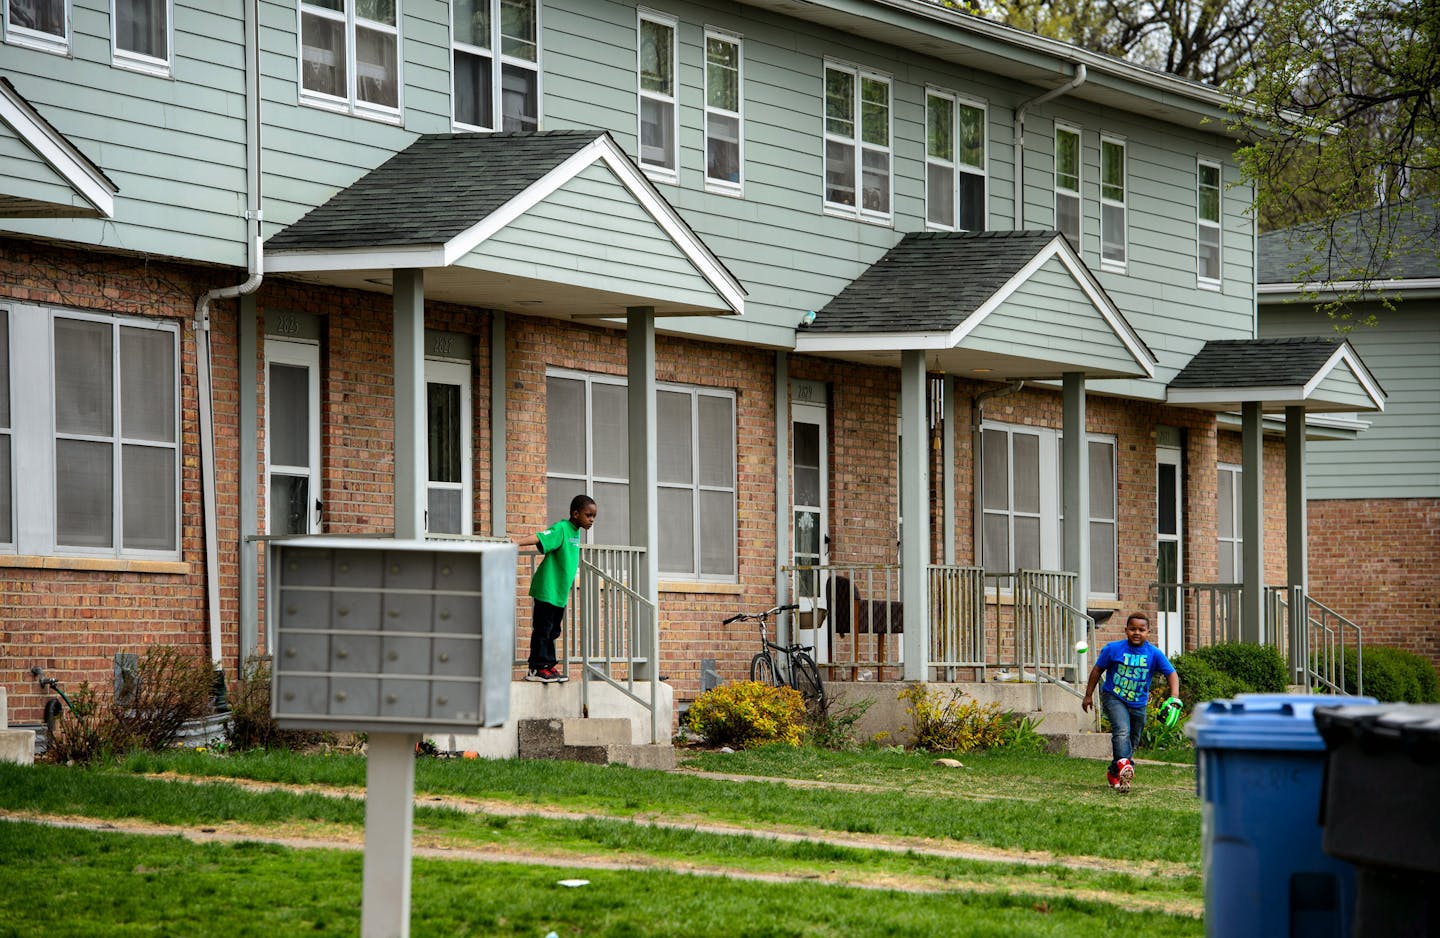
550	586
1127	666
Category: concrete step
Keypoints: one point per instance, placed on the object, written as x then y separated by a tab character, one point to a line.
597	741
1083	745
1056	722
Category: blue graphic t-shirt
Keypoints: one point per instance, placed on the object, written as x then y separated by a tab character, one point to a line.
1128	670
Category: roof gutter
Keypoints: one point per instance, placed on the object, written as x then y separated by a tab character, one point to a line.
1019	137
205	378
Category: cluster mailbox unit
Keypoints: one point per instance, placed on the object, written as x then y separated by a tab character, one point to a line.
390	636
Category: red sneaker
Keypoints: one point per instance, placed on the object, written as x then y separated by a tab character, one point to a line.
1112	778
1125	773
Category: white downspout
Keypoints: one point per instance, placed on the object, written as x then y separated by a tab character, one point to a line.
204	378
1018	137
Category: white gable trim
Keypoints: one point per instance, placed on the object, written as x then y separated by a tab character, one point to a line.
1357	369
355	259
872	341
55	149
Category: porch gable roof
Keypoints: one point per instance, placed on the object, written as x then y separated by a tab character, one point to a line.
557	219
42	173
1321	374
1002	304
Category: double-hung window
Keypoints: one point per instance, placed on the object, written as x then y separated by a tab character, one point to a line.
350	55
1113	236
724	122
1227	520
659	116
857	142
1020	500
1067	183
141	34
1207	219
40	24
954	162
587	451
487	83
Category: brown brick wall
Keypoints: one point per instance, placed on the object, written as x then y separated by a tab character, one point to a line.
1377	562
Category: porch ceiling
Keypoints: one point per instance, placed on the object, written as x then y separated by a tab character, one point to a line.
42	173
1323	375
557	223
995	305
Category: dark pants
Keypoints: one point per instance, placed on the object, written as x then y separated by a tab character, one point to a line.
547	629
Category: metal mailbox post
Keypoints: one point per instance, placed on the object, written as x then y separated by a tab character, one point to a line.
395	639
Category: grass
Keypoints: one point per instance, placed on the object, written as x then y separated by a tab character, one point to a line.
636	818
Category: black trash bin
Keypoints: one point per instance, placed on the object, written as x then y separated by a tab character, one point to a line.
1380	810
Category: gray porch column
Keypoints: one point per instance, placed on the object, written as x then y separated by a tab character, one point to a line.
644	496
1252	523
411	471
1297	555
1075	487
248	343
915	510
947	475
497	424
782	484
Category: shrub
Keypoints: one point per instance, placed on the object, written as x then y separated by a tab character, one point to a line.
86	732
748	713
833	726
953	725
1227	669
250	725
1022	734
1394	675
173	689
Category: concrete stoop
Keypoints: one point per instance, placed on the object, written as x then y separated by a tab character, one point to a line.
596	740
17	746
1069	733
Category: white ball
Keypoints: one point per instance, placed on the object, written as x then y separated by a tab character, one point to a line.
1081	647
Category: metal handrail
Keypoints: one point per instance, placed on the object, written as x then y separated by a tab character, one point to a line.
618	631
1050	645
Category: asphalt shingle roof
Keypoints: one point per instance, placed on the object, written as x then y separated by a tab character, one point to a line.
434	189
1287	255
1241	363
930	281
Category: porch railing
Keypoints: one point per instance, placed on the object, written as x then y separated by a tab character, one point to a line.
1047	623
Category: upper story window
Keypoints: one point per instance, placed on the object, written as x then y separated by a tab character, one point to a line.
141	35
724	122
1207	218
96	416
41	24
857	142
954	163
350	55
1067	183
1113	247
659	117
487	83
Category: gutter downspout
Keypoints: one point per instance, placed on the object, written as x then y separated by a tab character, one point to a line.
977	417
1018	138
204	376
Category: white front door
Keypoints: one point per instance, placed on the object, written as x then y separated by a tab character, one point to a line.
447	408
810	531
292	437
1170	565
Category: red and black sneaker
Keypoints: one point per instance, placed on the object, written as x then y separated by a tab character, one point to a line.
552	675
1125	773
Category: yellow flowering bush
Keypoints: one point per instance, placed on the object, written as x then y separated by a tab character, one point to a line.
954	724
748	713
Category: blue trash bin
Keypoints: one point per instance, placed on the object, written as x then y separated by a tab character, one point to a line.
1260	765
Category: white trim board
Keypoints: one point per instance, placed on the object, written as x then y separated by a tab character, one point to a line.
48	143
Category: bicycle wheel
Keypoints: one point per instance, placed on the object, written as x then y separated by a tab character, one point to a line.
762	669
805	678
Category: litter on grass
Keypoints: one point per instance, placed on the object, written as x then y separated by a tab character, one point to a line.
572	883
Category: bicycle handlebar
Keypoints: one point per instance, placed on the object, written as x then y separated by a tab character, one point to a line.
761	615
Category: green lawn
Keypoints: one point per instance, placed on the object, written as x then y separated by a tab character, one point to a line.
890	849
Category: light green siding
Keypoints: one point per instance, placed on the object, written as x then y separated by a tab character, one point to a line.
1049	317
24	175
1341	387
591	233
1399	455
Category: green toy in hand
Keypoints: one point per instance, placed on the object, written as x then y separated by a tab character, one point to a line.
1170	711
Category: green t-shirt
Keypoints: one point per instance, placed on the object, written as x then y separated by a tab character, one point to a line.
556	573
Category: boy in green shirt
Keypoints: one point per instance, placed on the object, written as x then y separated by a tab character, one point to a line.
550	586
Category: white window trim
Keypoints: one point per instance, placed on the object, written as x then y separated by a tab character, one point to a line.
35	39
1124	205
351	103
1210	283
955	166
858	210
1078	192
498	62
724	186
658	172
138	62
302	353
1050	514
452	371
1237	539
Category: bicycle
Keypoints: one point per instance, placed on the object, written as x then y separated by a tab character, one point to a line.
800	670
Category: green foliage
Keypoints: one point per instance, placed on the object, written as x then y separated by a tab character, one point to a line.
953	724
1022	734
1224	670
1394	675
85	732
250	725
1157	734
833	726
748	713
